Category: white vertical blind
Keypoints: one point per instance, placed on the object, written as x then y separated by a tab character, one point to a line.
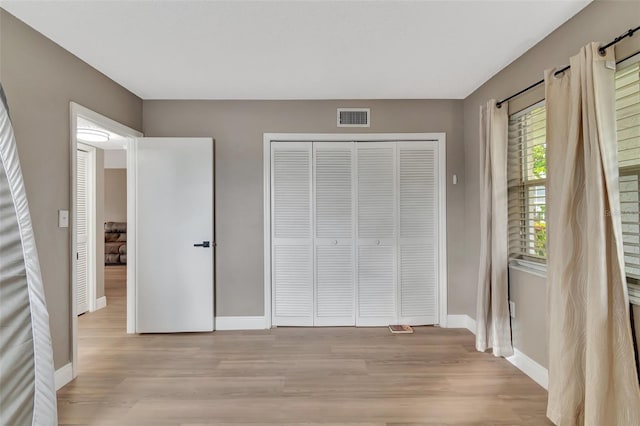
377	273
526	180
292	256
82	226
418	201
628	134
334	242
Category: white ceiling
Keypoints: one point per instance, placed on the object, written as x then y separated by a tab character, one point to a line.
297	49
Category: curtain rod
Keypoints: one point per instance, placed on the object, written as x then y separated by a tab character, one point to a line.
602	51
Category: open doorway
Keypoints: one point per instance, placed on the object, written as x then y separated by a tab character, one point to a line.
115	233
98	227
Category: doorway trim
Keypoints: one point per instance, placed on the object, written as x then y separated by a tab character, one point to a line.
440	138
77	110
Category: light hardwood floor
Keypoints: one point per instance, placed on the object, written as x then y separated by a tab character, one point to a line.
357	376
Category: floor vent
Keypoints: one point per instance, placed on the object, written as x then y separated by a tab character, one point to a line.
354	117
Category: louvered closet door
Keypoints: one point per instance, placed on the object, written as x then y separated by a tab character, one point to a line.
334	233
292	233
82	228
376	214
418	239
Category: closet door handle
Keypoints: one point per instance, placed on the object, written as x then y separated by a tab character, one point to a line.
204	244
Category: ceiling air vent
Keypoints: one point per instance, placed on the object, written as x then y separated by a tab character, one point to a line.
354	117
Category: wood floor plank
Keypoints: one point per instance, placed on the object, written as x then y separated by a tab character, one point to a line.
288	376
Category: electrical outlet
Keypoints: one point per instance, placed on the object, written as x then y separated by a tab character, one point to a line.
512	309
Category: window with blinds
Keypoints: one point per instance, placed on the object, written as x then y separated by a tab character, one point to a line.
628	127
526	179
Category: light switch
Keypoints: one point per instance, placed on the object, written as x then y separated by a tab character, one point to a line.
63	218
455	179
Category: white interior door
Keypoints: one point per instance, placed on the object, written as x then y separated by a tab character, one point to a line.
418	233
377	270
83	177
174	230
292	233
334	197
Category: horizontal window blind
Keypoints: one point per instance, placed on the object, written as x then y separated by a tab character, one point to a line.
627	85
526	179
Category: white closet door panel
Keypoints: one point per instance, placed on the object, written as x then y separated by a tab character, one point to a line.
335	291
293	285
376	190
292	233
376	259
333	189
82	229
334	195
418	244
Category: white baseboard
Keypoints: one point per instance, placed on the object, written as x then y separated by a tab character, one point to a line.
240	323
461	321
63	375
535	371
101	302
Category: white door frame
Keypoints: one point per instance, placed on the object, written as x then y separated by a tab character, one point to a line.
77	110
92	260
359	137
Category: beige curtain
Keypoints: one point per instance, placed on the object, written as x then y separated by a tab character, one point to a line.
492	311
592	375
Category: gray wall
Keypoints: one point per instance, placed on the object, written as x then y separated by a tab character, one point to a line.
115	195
238	127
529	327
600	21
40	79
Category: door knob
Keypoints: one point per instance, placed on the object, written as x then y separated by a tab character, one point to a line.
335	242
378	242
203	245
